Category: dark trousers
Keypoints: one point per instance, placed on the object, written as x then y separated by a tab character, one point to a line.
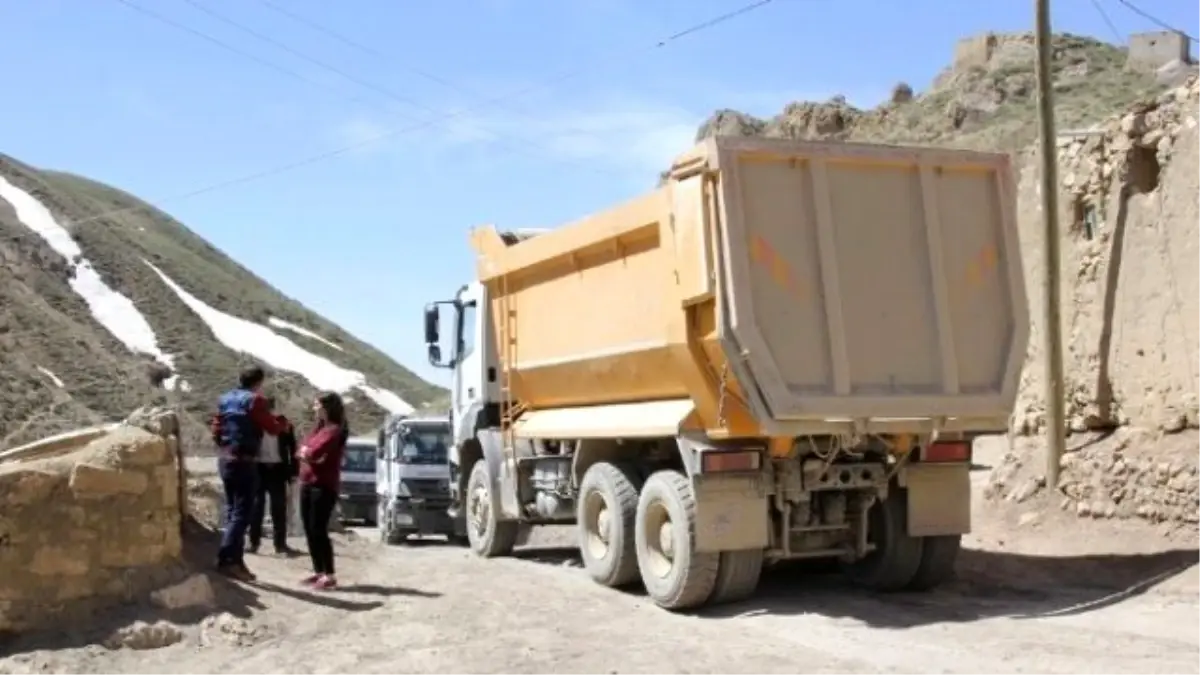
240	479
272	486
316	508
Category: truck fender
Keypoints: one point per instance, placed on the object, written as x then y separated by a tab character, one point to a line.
502	471
464	453
732	513
939	498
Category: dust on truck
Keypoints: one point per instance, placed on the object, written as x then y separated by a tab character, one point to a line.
783	352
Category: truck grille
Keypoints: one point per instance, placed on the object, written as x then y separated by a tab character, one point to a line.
429	489
358	488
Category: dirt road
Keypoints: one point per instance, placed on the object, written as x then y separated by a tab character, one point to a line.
1068	608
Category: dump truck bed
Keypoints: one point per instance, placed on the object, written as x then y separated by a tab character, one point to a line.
845	281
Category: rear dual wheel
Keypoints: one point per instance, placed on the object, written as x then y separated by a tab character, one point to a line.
604	517
901	562
624	535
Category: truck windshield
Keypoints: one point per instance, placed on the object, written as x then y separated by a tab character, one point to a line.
425	446
359	458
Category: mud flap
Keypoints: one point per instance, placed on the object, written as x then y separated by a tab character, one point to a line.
731	513
939	499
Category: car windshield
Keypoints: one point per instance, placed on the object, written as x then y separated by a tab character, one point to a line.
425	446
359	458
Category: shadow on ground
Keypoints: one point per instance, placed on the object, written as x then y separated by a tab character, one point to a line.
988	584
239	600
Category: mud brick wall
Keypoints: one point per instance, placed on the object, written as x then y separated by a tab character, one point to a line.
93	525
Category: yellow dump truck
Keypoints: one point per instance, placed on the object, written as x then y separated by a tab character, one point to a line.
783	352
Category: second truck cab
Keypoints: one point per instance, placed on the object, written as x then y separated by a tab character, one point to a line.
413	479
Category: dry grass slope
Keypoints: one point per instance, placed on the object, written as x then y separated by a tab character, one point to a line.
45	325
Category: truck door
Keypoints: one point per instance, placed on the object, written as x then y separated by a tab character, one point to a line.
468	366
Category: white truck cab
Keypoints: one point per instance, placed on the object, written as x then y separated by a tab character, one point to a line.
413	479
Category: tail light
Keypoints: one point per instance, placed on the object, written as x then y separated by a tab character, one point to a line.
715	462
947	451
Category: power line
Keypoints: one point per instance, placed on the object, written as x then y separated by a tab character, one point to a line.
331	154
1153	19
377	54
278	68
226	46
1120	38
350	42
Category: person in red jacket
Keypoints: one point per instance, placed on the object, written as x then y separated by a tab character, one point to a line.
320	458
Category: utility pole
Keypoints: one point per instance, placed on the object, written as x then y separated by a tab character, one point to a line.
1056	437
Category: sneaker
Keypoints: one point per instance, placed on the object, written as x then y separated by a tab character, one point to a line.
310	580
246	573
325	583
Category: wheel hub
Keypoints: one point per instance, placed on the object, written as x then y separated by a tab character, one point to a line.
666	540
603	525
478	510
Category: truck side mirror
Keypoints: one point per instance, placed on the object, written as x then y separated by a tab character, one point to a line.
435	356
431	325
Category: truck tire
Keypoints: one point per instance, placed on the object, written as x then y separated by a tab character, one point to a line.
490	537
605	515
894	562
737	576
938	556
676	576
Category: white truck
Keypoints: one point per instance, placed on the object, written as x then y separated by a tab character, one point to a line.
357	498
413	479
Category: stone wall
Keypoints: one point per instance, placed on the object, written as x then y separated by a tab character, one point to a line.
1130	273
90	525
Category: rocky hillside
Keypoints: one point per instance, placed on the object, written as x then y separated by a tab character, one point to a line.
985	100
107	303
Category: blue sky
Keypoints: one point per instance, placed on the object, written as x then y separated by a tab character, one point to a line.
368	237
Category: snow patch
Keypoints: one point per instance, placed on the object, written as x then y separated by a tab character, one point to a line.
52	377
280	352
111	309
280	323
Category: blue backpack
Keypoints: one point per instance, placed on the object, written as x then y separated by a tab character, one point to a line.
236	431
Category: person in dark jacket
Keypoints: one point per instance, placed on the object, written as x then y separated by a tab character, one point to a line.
276	468
320	481
242	418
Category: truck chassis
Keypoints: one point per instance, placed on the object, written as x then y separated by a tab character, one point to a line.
638	516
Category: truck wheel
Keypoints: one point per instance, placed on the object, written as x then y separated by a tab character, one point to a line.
737	576
604	517
489	536
676	576
894	562
937	562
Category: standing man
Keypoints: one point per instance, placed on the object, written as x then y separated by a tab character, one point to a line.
243	416
276	469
